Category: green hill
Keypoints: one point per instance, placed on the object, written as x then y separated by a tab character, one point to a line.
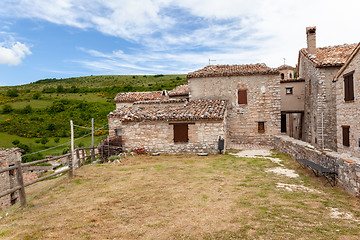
42	110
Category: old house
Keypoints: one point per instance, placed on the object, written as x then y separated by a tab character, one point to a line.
318	67
171	126
292	102
347	82
253	95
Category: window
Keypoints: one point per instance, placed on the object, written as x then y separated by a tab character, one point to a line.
118	132
282	76
349	86
346	135
242	96
290	75
289	90
261	127
181	132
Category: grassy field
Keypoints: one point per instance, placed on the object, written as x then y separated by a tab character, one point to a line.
6	142
185	197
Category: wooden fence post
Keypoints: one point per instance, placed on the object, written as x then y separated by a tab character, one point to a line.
20	181
83	157
78	157
93	154
69	161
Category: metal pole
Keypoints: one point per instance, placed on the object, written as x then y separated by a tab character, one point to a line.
322	129
92	132
72	145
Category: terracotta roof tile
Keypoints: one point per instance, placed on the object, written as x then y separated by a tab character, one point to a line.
161	101
292	80
137	96
182	90
333	56
232	70
193	110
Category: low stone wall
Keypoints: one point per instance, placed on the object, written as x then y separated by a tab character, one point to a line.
348	169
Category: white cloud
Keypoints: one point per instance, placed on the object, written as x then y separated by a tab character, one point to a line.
183	34
12	53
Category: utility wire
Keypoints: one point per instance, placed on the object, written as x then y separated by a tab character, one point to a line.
63	143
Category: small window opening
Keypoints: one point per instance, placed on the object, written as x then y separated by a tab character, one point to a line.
181	132
261	127
346	135
242	96
289	90
118	132
290	75
164	93
282	76
348	87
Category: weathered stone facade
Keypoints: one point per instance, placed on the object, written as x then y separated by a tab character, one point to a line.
156	136
7	179
320	110
348	112
348	169
263	104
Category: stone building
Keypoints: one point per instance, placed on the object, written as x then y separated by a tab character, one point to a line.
347	82
170	126
318	67
292	96
253	95
8	179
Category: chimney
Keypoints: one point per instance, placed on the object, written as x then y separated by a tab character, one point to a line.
311	40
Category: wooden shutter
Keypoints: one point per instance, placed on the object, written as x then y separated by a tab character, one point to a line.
181	132
242	96
349	88
346	135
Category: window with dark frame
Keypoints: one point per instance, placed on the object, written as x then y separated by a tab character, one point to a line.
282	76
261	127
349	86
346	135
181	132
289	90
242	96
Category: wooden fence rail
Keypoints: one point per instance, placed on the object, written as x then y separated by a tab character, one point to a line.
70	169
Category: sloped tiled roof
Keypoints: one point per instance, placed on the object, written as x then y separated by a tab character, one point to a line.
348	61
182	90
130	97
292	80
193	110
333	56
166	101
233	70
285	67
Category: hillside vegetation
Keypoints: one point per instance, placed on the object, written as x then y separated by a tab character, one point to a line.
38	114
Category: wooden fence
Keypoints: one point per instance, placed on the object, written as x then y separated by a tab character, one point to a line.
19	172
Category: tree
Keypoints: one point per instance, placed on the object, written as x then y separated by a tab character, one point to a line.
15	142
7	109
44	140
36	96
60	89
56	140
27	109
13	93
51	127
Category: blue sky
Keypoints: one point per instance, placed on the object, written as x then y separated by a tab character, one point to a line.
68	38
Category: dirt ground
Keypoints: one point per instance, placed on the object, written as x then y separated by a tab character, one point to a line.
186	197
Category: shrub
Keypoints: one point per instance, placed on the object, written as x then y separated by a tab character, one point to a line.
7	109
13	93
56	140
36	96
27	109
15	142
113	158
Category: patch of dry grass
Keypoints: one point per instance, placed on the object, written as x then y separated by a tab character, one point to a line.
183	197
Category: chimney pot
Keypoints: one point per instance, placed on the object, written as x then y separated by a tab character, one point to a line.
311	40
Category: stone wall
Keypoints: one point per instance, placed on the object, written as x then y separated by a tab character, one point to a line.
158	136
263	105
8	180
348	113
319	99
348	169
